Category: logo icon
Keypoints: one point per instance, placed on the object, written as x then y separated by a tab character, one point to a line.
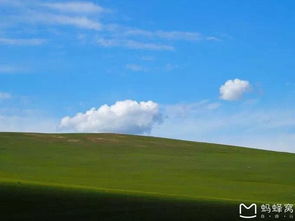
248	212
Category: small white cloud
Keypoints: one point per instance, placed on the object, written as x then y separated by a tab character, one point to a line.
4	96
131	44
234	89
15	41
75	7
122	117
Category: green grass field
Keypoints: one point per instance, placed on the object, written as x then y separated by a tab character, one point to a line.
124	177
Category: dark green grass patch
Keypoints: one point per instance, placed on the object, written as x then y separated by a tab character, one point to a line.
36	202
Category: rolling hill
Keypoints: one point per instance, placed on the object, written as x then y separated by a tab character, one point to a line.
125	177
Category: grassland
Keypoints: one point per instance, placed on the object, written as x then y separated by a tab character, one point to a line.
123	177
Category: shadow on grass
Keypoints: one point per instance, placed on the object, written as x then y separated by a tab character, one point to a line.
31	202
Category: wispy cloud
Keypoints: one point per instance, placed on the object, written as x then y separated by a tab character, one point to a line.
14	3
55	13
75	7
132	44
133	38
88	15
27	123
78	7
160	34
4	96
55	19
22	41
185	109
135	67
203	121
8	69
168	35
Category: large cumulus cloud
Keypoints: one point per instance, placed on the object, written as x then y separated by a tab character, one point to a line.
122	117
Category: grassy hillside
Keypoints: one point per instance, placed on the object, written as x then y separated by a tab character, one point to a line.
135	175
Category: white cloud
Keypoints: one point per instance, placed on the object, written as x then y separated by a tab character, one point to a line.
55	19
122	117
4	95
234	89
272	129
131	44
20	41
75	7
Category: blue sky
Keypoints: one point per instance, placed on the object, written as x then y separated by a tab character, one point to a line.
60	58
